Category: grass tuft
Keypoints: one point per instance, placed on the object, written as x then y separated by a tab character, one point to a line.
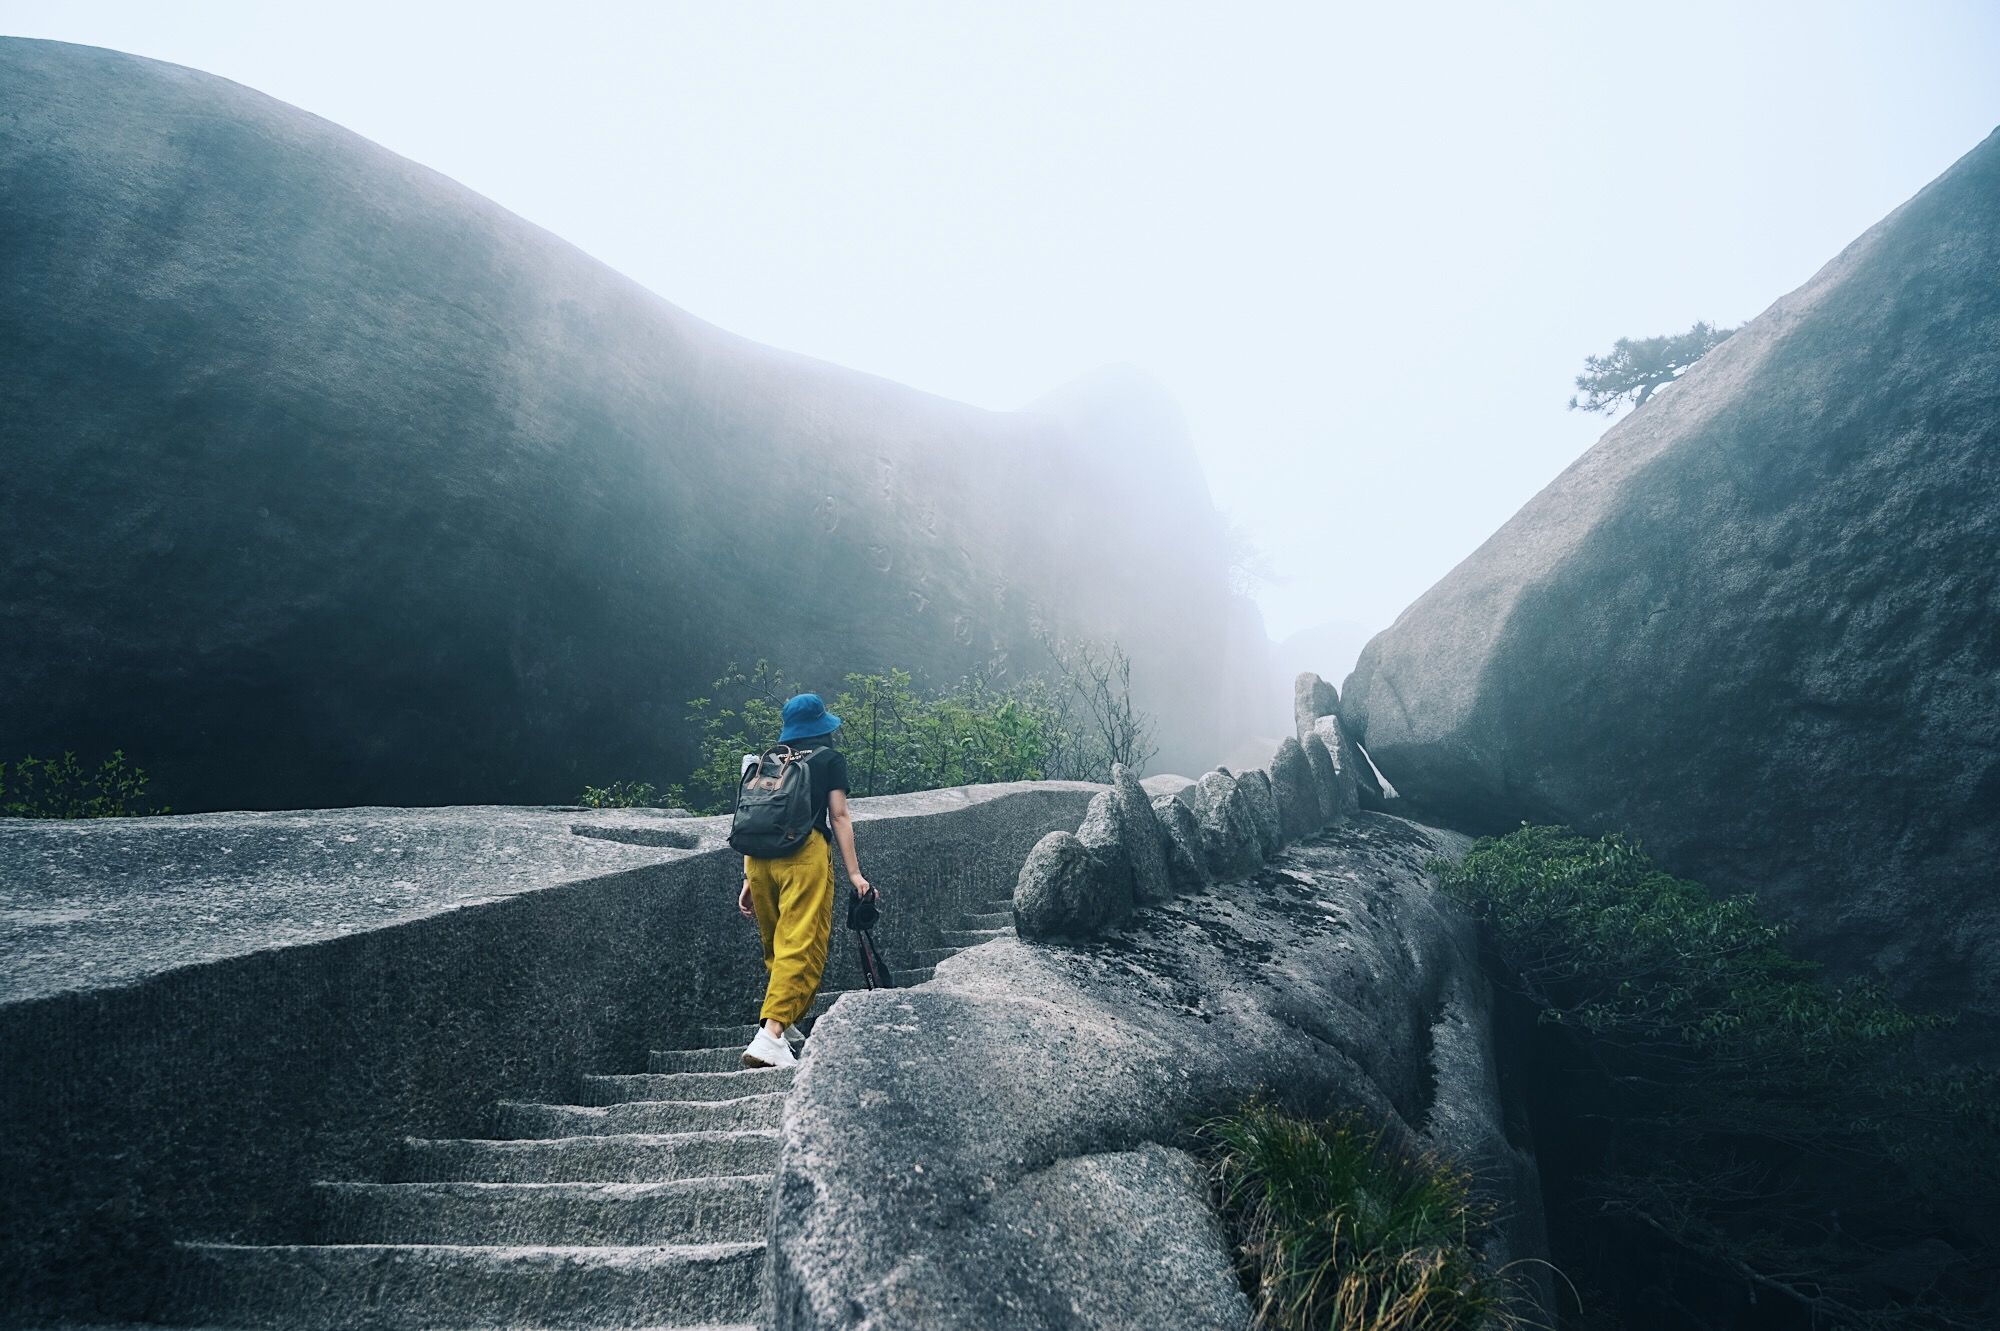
1336	1231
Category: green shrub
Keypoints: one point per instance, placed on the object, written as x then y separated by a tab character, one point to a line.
900	737
1768	1136
1335	1231
64	788
621	795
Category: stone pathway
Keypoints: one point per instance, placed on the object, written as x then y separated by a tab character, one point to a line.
644	1205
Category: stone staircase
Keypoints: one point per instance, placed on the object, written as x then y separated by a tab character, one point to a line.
643	1205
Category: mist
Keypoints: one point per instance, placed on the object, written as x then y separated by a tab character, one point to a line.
1365	250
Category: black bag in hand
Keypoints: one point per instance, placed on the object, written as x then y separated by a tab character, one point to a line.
862	913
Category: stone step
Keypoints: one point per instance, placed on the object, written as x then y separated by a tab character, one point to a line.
390	1287
914	976
730	1037
623	1087
927	956
515	1119
725	1059
730	1209
630	1158
733	1036
964	938
740	1033
998	919
998	904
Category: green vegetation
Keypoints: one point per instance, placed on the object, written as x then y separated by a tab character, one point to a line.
1637	367
621	795
1724	1129
1336	1231
1071	725
64	788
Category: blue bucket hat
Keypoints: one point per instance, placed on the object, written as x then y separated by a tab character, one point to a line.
806	717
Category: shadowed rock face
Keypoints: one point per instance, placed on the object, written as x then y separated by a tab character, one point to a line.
1024	1176
331	482
1755	624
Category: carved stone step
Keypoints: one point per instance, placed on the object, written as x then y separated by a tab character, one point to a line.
633	1158
964	938
620	1088
730	1209
390	1287
514	1119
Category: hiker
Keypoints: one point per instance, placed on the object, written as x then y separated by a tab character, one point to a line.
790	895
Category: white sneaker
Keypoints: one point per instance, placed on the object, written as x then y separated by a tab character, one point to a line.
768	1051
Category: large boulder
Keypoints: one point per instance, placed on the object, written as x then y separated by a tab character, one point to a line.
1021	1182
1312	698
1145	839
1060	891
1343	763
1755	625
1297	792
328	481
1230	842
1187	863
1105	835
1326	778
1255	787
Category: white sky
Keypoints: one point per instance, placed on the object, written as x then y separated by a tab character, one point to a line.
1365	247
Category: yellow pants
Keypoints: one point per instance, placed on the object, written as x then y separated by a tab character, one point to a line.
793	898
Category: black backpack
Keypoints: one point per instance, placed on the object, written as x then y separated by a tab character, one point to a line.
774	804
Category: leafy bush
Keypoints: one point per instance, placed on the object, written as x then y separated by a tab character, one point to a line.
621	795
63	788
899	737
1337	1232
1765	1135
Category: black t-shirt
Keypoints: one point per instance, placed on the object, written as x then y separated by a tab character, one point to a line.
828	767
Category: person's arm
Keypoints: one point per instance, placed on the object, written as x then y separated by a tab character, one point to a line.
843	834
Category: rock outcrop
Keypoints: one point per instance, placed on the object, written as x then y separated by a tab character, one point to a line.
1230	841
1187	866
1146	845
1000	1148
331	482
1312	698
1296	789
1755	624
1133	849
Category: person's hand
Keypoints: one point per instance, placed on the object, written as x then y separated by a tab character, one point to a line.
861	886
743	906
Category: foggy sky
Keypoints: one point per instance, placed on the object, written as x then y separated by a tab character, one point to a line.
1365	249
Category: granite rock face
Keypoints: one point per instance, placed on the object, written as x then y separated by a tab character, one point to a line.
1230	843
1255	786
1151	1253
1018	1182
1755	624
1347	764
1326	776
1312	698
1105	835
329	482
1187	863
1060	890
1145	839
1297	792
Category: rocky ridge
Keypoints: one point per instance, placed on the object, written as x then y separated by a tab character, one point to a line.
1006	1145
